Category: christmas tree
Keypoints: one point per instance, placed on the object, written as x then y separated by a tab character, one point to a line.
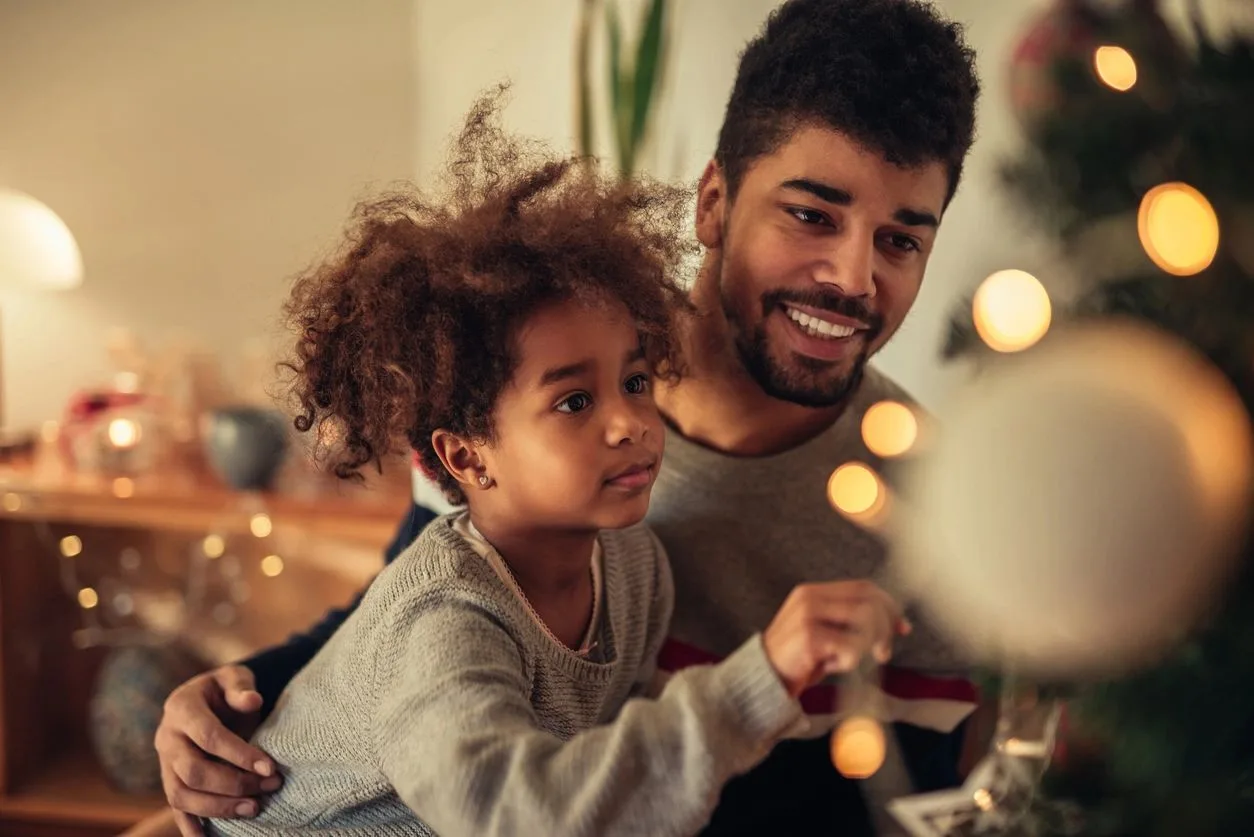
1138	161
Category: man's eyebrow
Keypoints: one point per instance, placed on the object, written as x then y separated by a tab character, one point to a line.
916	218
841	197
822	191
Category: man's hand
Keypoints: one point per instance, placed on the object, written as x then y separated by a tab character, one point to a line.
824	629
208	768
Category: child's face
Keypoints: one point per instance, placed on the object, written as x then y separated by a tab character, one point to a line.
578	437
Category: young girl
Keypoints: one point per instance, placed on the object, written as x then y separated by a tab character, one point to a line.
485	684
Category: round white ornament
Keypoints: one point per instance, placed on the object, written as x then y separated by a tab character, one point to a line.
1082	503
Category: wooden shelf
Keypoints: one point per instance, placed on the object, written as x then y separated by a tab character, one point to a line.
194	503
71	790
329	534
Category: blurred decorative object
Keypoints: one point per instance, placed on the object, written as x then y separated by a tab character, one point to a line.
126	707
246	446
36	250
112	432
1061	31
1083	505
1001	791
633	82
1166	744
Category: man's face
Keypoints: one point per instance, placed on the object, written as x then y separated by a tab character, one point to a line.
818	259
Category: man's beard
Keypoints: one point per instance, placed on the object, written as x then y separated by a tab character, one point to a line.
805	381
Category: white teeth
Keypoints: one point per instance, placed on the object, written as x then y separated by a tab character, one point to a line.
818	328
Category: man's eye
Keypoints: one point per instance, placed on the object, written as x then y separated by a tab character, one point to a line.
576	403
807	216
904	243
637	384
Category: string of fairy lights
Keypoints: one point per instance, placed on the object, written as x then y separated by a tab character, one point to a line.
1178	230
215	581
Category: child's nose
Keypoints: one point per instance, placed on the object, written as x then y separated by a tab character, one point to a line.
625	425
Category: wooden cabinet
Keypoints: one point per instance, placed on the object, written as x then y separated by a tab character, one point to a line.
329	536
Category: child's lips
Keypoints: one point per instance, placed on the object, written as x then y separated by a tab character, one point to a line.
636	476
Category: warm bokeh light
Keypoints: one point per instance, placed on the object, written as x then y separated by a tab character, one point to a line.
124	488
854	489
1011	311
889	429
271	565
12	502
88	598
858	747
1115	67
260	525
71	545
213	546
1178	228
123	433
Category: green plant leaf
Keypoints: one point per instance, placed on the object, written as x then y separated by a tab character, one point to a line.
648	59
583	70
619	91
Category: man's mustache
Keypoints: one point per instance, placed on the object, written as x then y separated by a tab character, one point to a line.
824	300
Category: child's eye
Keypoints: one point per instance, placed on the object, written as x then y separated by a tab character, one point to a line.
637	384
576	403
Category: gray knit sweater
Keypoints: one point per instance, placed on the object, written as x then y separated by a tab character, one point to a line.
441	707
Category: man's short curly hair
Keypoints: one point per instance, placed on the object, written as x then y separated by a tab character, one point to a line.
412	326
893	75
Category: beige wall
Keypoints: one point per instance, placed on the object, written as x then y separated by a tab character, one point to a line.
200	151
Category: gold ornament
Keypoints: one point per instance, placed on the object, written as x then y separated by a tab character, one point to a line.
858	747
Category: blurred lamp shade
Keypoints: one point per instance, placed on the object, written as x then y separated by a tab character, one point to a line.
36	247
36	250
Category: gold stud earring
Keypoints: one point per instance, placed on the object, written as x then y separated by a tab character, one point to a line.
483	480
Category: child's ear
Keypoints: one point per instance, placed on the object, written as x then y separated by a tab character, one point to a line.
461	458
711	206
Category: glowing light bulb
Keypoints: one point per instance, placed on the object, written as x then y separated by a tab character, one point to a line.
71	545
260	525
213	546
12	502
1011	311
1178	229
889	429
88	598
853	489
123	433
858	747
1115	67
271	565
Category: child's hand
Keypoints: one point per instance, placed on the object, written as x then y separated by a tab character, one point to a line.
827	628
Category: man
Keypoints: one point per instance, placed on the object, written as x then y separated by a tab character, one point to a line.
842	144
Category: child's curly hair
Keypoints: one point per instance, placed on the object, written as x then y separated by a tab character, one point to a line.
411	327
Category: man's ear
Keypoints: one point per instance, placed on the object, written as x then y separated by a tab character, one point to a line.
461	458
711	206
